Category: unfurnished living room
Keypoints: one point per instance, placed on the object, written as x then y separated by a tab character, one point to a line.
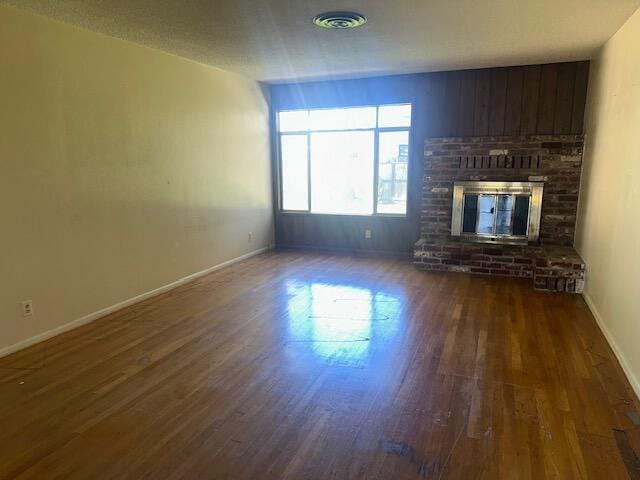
340	240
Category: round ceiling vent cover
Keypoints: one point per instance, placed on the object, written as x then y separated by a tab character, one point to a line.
339	20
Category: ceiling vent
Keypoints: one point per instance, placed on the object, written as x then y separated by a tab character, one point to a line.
339	20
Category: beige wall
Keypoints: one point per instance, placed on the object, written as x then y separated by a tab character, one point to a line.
608	234
122	169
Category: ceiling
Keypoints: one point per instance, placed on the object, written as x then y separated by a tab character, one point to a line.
274	40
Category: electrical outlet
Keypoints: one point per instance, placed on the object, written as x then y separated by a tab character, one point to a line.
250	236
367	233
27	308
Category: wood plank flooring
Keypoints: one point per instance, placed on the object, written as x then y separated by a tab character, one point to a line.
298	365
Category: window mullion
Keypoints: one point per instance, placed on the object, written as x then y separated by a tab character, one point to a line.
280	174
376	159
309	172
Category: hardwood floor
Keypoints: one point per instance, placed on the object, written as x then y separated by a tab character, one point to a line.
306	366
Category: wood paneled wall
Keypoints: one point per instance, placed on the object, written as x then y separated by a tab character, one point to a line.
535	99
522	100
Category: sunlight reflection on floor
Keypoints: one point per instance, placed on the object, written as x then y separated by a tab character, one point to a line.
340	320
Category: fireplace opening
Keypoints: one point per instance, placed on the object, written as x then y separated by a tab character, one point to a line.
497	212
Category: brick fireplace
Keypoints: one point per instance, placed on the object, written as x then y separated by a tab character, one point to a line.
553	161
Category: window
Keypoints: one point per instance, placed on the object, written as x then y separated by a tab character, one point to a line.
349	161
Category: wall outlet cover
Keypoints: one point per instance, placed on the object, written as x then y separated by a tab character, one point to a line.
27	308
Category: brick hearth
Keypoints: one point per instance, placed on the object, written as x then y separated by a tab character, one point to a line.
552	268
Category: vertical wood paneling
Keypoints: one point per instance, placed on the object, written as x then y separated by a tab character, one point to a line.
497	101
564	98
467	103
309	231
530	96
483	94
298	232
513	108
579	97
451	103
547	101
522	100
435	105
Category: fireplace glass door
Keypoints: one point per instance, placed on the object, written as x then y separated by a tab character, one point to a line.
487	214
499	212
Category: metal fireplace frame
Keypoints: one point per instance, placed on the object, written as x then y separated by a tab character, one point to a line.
533	190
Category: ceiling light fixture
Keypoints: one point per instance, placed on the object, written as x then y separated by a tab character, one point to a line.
339	20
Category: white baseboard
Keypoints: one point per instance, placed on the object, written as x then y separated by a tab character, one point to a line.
125	303
614	345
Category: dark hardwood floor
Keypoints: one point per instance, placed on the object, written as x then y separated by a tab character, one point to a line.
297	365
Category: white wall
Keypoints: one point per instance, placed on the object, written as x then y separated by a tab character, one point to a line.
608	234
122	169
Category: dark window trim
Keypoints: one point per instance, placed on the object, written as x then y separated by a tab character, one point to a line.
376	130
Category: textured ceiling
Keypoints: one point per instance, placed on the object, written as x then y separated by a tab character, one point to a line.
274	40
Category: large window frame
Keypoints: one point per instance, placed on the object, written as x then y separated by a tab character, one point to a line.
377	130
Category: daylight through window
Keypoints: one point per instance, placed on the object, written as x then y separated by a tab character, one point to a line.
349	161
